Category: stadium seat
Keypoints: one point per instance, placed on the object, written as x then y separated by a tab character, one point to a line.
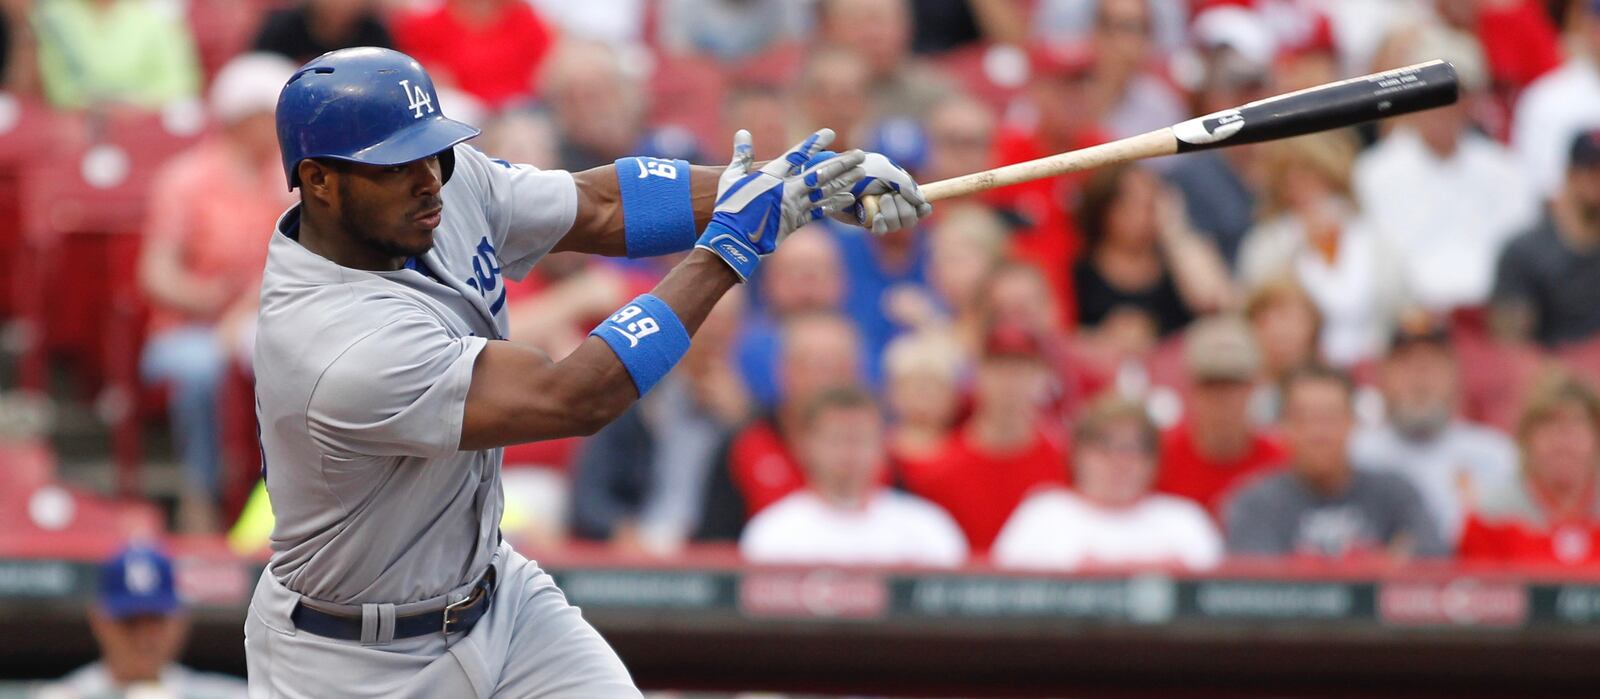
83	210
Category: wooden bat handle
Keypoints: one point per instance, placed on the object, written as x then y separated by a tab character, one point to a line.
1147	145
1335	105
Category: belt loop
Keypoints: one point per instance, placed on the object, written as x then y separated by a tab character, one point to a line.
369	625
386	625
377	624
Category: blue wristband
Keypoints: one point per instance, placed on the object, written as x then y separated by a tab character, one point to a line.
657	206
648	337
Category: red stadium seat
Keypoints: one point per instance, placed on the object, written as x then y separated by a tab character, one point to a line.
28	127
83	210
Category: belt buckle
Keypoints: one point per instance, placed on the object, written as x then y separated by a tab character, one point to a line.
454	607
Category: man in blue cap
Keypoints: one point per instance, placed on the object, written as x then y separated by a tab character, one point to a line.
140	627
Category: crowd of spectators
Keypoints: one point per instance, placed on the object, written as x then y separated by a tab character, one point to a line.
1292	349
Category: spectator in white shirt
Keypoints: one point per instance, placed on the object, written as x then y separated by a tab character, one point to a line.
1111	519
1450	461
1315	234
845	515
1559	105
1445	196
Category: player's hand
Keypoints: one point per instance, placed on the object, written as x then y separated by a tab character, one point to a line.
757	209
900	200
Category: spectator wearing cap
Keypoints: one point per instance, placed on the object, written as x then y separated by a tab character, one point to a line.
1004	450
758	465
1560	105
140	627
1550	513
1217	445
1232	65
880	32
490	49
114	53
1065	118
1145	273
204	245
1313	232
1321	506
1110	518
1423	438
1549	277
845	515
1444	195
310	28
1136	99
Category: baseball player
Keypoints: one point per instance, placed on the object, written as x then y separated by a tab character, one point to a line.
386	385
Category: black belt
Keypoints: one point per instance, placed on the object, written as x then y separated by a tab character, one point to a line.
457	617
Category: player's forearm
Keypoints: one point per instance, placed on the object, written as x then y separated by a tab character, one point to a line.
518	395
600	226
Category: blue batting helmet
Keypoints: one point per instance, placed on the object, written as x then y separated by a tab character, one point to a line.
364	105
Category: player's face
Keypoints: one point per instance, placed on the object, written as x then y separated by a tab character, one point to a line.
139	646
394	209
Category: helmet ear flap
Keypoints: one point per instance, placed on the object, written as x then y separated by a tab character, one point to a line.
447	164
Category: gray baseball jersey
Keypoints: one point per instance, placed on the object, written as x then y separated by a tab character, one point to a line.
361	385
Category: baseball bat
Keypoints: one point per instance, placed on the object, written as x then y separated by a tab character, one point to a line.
1332	106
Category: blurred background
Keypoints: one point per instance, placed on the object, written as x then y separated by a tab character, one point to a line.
1306	418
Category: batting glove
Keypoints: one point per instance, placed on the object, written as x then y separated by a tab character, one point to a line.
900	201
757	209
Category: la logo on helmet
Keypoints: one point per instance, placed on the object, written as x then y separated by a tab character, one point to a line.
419	98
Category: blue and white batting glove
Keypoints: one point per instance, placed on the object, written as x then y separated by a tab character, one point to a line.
900	201
757	209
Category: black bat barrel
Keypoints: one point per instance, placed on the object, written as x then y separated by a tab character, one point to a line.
1332	106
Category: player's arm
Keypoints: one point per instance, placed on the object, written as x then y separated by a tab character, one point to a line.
517	394
642	207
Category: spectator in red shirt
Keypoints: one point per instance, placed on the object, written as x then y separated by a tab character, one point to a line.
1217	445
757	467
1004	451
1065	118
1550	514
211	213
489	48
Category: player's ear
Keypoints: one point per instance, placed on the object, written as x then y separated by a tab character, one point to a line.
316	179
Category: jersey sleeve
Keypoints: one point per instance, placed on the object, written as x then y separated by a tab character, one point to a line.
528	210
399	390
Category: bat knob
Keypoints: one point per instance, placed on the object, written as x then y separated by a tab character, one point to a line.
868	210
